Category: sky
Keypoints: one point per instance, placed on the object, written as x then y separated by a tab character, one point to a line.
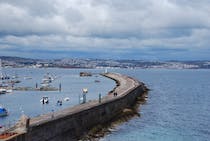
106	29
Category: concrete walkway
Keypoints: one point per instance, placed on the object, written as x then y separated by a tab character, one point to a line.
125	84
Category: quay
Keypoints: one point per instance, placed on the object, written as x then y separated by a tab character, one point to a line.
74	122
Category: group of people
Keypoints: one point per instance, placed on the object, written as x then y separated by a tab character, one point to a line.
115	93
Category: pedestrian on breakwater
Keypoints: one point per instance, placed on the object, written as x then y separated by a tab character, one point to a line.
52	116
115	94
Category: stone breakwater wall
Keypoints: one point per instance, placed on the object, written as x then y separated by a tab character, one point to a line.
72	123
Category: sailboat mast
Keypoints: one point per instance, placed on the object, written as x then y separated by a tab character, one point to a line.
1	74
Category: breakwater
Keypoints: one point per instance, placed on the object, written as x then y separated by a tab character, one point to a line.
72	123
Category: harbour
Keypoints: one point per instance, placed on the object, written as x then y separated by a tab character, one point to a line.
78	119
155	120
27	102
104	70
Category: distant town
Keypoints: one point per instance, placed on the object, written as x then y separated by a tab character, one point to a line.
18	62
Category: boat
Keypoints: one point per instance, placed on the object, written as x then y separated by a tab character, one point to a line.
27	77
3	91
44	85
3	76
97	81
15	76
47	78
3	112
44	100
66	99
14	81
83	74
85	90
5	83
2	88
9	90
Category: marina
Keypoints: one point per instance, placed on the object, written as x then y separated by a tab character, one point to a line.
26	99
104	70
154	121
80	118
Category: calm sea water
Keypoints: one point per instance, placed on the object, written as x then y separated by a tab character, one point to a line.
28	102
178	107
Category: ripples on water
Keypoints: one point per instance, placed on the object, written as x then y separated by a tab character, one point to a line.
178	107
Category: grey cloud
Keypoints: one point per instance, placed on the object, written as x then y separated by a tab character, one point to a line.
101	17
40	8
73	15
104	24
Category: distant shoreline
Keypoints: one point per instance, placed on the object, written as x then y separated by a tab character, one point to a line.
72	63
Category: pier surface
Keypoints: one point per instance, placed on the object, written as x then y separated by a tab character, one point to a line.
125	84
71	123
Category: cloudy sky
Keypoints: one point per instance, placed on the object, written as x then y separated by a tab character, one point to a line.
117	29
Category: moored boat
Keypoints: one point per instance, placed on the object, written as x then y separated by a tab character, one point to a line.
44	100
9	90
27	77
3	112
97	81
3	91
82	74
66	99
85	90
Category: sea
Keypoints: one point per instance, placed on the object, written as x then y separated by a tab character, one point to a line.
177	108
28	103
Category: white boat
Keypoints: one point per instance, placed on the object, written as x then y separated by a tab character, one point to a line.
85	90
9	90
27	77
3	112
66	99
3	91
44	100
15	76
47	78
45	84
